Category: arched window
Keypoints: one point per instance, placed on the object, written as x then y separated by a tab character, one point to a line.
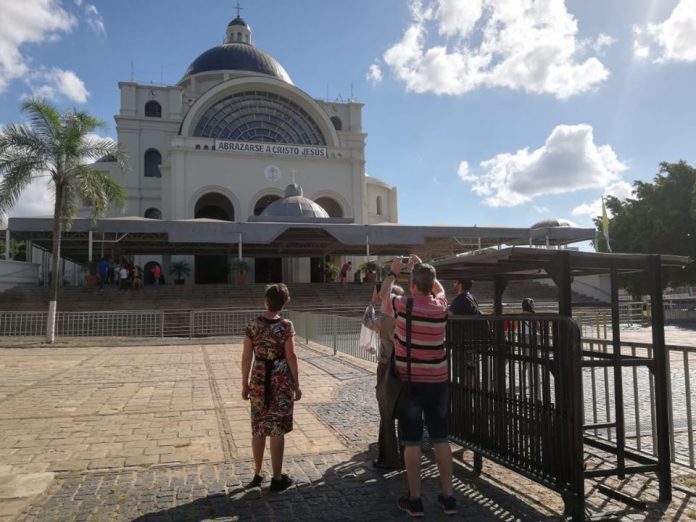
379	205
153	109
239	37
198	147
153	213
333	209
260	117
337	123
153	159
263	202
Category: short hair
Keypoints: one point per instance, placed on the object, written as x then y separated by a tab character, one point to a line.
466	284
277	296
423	276
528	304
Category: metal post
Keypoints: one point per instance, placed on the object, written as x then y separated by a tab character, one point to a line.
7	243
479	243
367	246
30	248
239	250
618	374
661	378
89	254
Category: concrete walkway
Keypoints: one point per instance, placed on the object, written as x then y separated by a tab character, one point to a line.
161	433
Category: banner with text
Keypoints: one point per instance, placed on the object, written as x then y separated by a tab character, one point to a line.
275	149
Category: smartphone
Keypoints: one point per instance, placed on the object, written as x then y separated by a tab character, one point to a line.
404	260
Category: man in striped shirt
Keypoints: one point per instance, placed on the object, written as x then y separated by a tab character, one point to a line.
429	378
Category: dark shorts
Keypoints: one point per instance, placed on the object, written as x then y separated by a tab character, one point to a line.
429	400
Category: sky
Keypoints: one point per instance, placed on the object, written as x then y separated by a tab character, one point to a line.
480	112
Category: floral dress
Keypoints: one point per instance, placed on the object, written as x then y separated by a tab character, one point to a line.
271	386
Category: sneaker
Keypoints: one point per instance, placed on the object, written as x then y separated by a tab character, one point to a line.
448	504
281	484
255	482
412	506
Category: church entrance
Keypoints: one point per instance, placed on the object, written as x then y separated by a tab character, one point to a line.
213	269
268	270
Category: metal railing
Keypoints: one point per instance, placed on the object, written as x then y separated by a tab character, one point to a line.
513	385
638	386
341	334
139	323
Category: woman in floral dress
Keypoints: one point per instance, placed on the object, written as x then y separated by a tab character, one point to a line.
273	385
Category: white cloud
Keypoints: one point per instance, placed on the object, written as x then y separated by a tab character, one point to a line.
374	74
55	83
464	172
95	20
36	199
620	189
528	45
541	210
568	161
28	21
672	40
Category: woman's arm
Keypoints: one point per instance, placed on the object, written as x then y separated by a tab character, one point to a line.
291	357
247	352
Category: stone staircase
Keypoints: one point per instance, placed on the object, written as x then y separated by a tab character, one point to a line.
329	296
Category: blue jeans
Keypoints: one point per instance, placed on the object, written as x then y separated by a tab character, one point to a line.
429	400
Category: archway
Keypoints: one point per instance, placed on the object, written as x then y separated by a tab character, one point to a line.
212	269
331	206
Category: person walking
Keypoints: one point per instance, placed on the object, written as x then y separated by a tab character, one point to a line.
123	278
344	272
156	275
271	384
383	324
102	272
427	377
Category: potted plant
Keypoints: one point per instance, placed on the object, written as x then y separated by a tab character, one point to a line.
239	269
331	271
179	269
372	270
91	277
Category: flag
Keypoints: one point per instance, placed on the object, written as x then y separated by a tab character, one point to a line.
605	225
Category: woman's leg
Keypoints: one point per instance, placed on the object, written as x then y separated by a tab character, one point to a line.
258	445
277	450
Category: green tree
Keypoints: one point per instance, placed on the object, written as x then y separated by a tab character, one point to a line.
60	146
660	218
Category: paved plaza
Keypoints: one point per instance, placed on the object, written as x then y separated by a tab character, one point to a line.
158	433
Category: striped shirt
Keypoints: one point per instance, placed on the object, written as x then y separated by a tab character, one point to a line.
428	324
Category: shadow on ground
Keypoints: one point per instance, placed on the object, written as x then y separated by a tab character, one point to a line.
351	490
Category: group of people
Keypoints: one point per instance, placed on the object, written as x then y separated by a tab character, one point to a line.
125	274
413	348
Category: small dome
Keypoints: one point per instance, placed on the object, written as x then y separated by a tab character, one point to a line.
294	204
238	21
553	222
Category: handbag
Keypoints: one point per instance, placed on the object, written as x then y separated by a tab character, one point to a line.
395	388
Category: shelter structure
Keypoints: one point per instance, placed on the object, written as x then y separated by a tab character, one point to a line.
517	385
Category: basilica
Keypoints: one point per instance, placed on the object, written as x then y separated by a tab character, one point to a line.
236	165
230	136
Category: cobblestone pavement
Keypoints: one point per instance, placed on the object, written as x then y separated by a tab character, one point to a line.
160	433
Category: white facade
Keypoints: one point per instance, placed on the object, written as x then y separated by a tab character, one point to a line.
192	166
231	135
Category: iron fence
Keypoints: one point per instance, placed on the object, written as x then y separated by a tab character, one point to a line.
140	323
341	334
514	384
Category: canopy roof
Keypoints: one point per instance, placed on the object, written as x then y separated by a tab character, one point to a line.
539	263
309	237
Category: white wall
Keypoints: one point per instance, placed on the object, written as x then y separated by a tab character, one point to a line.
16	273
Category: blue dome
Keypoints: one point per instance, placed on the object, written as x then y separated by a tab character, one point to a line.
238	57
238	21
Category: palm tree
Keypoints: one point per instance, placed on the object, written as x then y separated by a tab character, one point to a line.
60	146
